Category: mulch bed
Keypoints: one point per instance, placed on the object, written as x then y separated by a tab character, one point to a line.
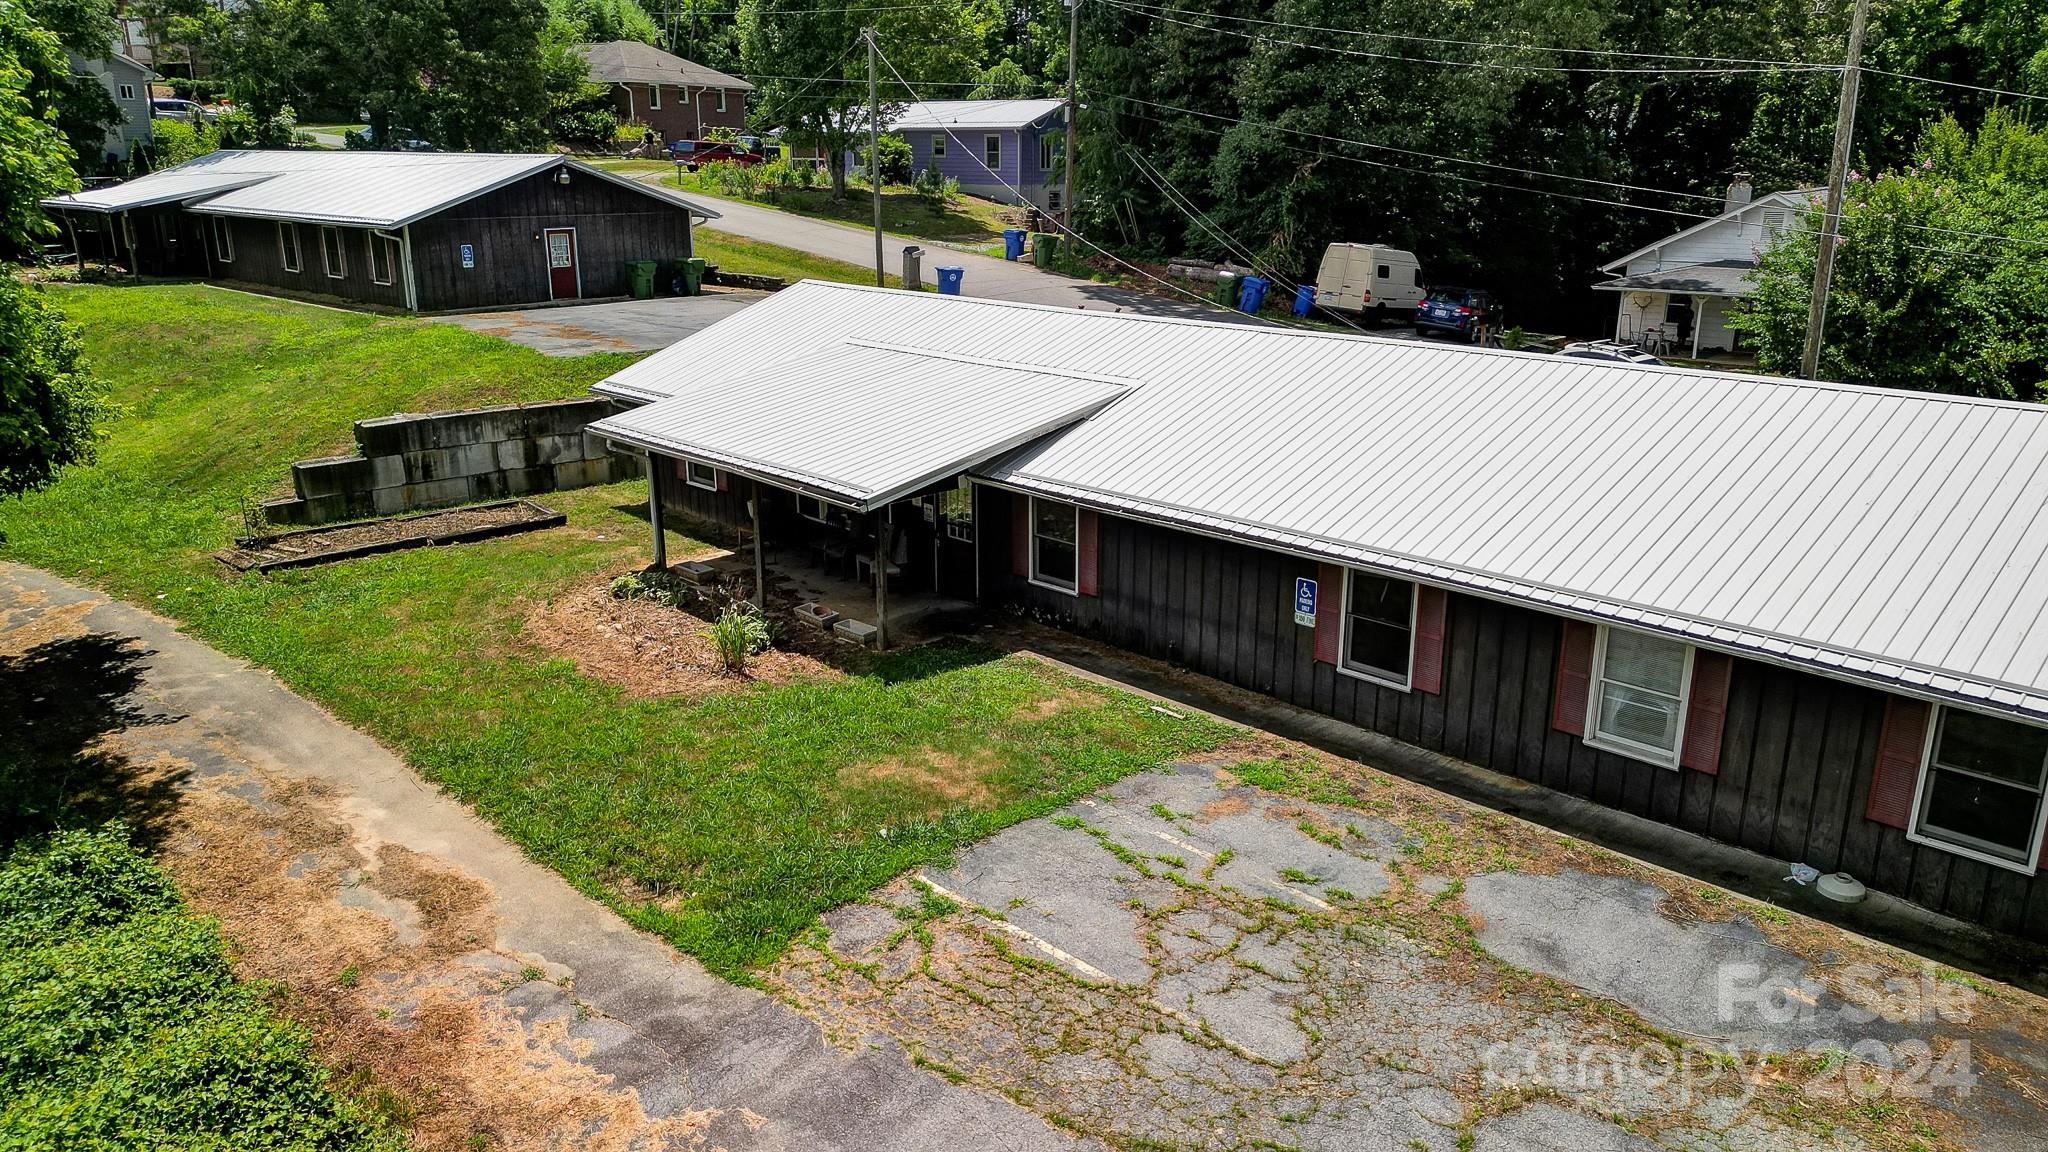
369	537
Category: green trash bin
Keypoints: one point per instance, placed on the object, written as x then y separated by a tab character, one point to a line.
693	276
640	278
1045	246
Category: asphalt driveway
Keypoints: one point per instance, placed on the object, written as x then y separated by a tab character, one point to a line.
617	326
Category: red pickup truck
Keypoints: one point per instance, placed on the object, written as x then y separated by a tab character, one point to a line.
695	153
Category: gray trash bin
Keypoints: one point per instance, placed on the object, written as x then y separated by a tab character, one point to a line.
913	267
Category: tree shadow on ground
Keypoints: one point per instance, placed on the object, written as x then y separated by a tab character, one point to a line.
62	698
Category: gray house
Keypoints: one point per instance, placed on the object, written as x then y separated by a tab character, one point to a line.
1002	150
127	82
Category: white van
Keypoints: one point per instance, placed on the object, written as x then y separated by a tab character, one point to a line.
1368	278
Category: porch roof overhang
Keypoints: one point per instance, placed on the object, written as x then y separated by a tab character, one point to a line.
864	423
1728	278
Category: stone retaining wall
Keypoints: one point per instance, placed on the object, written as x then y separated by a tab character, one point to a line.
441	459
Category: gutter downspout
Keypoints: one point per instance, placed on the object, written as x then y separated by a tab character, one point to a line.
404	241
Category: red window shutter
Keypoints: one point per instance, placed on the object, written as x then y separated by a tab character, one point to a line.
720	475
1020	534
1574	677
1705	711
682	469
1428	660
1900	744
1329	612
1088	554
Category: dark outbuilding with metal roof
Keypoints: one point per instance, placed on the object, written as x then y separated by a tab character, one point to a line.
421	232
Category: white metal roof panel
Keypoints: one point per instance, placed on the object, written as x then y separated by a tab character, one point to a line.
1884	534
166	187
858	422
932	115
360	188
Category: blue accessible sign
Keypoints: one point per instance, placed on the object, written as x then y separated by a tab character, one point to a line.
468	256
1305	602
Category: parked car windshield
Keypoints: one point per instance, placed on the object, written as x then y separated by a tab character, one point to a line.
1449	295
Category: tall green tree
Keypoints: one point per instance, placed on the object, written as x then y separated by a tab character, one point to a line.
83	108
1922	296
50	404
810	66
599	21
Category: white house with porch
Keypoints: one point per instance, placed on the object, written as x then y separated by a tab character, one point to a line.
1676	295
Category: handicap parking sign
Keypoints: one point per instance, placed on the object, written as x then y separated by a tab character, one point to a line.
1305	602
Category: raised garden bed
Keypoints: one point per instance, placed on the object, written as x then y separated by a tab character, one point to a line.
333	542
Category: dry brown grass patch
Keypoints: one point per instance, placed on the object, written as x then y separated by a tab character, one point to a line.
953	780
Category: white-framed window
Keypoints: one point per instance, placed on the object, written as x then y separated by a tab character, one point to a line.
1982	784
1379	629
128	231
811	508
938	145
721	99
380	258
223	241
332	258
992	151
1052	199
1055	544
288	245
1048	151
127	91
654	97
1637	703
701	475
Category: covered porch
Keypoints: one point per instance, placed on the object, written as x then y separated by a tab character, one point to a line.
842	476
1680	312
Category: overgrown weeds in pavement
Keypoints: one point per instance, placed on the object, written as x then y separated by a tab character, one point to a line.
726	823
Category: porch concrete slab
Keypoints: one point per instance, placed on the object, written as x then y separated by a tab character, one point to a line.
617	326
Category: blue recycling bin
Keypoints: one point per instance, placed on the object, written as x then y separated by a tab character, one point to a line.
1251	293
1013	243
1304	299
949	280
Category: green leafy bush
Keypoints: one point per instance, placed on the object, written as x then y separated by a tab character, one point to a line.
122	1026
739	633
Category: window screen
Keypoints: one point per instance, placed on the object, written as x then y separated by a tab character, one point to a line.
1639	693
1379	620
1984	783
1055	533
288	246
701	475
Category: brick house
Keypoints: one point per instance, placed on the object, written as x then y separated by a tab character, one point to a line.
678	98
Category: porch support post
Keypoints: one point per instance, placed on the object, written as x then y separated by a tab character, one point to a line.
884	520
1699	314
654	514
760	565
77	252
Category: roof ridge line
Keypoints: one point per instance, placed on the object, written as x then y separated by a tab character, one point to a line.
993	362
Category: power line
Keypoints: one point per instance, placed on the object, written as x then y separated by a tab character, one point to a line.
1955	84
1414	39
1480	64
1697	216
1069	231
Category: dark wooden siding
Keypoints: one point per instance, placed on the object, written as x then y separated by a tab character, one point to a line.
258	260
613	225
1796	755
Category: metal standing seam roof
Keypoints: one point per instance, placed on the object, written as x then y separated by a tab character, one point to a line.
1720	278
358	188
933	115
858	422
1894	537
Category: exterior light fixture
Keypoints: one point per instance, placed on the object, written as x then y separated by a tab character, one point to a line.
562	176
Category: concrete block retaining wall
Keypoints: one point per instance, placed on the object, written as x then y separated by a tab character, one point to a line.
440	459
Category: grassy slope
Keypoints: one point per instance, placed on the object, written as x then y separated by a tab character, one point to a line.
760	258
726	824
968	220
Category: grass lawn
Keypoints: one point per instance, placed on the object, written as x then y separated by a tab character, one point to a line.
966	220
725	823
741	254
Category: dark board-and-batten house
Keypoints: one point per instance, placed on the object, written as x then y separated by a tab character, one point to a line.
1804	618
418	231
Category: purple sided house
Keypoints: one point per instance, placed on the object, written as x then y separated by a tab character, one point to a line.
1005	150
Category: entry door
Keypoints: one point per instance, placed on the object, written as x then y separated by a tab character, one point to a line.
565	281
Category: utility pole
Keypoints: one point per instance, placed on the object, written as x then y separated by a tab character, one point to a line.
1838	174
875	151
1073	114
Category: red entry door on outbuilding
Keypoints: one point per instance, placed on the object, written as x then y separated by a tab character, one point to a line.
565	282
